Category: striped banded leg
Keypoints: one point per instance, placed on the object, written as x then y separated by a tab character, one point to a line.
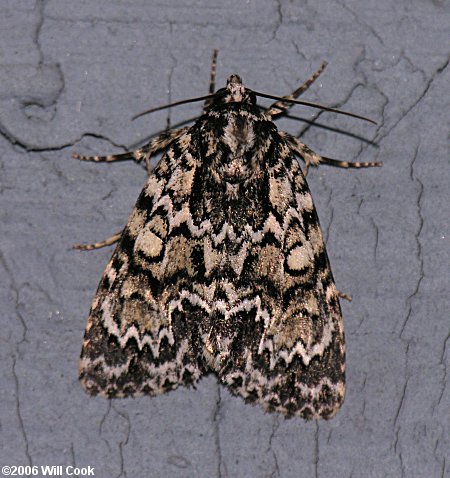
145	153
313	159
98	245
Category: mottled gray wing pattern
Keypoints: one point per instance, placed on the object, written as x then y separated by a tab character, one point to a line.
131	344
290	355
222	268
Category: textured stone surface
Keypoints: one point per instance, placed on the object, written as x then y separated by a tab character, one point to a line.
73	73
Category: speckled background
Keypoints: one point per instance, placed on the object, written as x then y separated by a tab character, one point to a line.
71	76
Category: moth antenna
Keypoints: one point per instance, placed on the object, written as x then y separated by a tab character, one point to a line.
314	105
212	76
182	102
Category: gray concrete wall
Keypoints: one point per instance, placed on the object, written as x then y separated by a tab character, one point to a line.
71	76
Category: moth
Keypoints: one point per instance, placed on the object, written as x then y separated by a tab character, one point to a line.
222	268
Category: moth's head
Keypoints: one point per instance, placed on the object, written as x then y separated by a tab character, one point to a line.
235	92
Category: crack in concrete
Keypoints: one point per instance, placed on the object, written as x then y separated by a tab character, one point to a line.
328	207
397	427
16	291
52	97
410	298
19	413
275	426
329	434
382	112
377	233
44	292
362	23
109	194
328	228
422	95
3	187
337	105
298	50
216	421
363	394
279	22
437	442
100	427
444	363
169	89
15	141
123	443
414	68
397	413
147	22
316	451
72	454
414	177
360	199
39	6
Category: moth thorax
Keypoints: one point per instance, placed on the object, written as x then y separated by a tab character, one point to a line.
236	164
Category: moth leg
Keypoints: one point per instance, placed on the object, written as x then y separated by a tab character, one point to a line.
345	164
280	107
98	245
345	296
145	153
313	159
110	158
212	79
